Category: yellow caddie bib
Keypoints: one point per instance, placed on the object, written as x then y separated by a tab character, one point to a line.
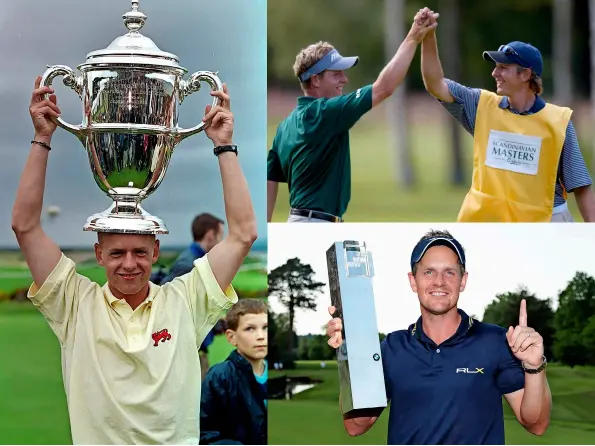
515	163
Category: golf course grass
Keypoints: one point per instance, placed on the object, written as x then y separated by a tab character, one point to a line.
34	402
377	197
313	417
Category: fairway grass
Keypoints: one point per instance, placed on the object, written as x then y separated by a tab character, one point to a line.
34	403
573	420
377	197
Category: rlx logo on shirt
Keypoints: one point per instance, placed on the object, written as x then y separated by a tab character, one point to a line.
467	370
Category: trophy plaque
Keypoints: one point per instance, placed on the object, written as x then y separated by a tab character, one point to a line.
130	94
361	376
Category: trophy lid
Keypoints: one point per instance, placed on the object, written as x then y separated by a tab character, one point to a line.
133	48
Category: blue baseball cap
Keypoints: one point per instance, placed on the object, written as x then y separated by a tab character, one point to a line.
424	244
331	61
520	53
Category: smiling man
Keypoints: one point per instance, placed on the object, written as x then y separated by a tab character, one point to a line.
446	374
130	361
310	151
526	154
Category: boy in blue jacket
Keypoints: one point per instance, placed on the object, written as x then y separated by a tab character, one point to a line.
233	407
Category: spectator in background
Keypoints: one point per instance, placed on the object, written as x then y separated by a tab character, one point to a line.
207	231
233	407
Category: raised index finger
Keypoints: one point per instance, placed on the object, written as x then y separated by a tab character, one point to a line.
523	314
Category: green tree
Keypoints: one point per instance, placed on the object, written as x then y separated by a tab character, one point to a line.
574	324
588	337
504	311
318	348
279	334
303	345
294	285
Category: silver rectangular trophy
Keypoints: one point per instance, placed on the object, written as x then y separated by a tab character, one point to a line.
361	377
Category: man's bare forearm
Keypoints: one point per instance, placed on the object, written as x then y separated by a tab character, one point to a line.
26	214
227	257
585	199
536	404
239	211
40	252
358	422
431	69
394	72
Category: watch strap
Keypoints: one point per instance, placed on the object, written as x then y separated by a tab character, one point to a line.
538	369
221	149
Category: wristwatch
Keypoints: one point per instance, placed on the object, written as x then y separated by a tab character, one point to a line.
538	369
220	149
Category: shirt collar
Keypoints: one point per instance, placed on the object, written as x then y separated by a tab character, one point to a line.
416	330
536	107
302	100
112	300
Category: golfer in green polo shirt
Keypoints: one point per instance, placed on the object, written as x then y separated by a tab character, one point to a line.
310	151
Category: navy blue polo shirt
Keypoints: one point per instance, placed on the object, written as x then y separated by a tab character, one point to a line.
449	393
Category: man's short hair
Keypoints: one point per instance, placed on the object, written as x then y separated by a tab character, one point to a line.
243	307
535	83
434	233
308	57
203	223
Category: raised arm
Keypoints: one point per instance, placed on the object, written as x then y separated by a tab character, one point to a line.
41	253
226	257
431	69
532	404
395	71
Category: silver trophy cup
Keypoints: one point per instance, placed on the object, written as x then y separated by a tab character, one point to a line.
361	377
130	94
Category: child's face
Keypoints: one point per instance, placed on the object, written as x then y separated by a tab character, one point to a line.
250	338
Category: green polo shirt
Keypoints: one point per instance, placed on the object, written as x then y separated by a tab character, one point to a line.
310	151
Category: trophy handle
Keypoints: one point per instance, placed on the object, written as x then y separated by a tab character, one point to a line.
192	85
70	80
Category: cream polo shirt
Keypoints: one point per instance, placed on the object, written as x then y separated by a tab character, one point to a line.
132	377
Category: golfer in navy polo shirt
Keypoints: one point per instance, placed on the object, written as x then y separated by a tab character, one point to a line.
446	374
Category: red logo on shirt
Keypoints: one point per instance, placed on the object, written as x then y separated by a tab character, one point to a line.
162	336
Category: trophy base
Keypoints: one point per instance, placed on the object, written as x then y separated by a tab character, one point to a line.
125	218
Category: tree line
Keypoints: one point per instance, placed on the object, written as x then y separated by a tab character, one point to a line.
568	328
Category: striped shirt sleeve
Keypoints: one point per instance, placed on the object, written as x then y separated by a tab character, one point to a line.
464	109
573	172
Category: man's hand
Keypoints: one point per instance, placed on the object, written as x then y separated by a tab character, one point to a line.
220	119
525	342
425	21
42	111
333	330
